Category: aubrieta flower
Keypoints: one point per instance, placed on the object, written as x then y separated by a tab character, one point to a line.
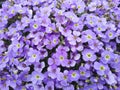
71	16
91	87
88	35
65	31
61	58
33	55
80	6
89	55
84	73
45	11
101	68
74	39
16	45
92	6
77	25
73	75
91	20
100	28
115	62
50	85
51	41
53	71
70	63
110	34
65	78
77	47
111	78
36	77
95	45
107	56
70	87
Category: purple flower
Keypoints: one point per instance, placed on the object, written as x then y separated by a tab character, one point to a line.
64	31
71	16
51	28
91	20
45	11
73	75
84	73
70	63
70	87
35	2
77	47
50	85
39	66
23	66
35	25
25	21
100	68
80	6
115	62
78	25
52	61
89	55
20	9
100	28
61	58
91	87
16	45
92	6
33	55
51	41
65	78
95	45
110	34
53	71
36	77
74	39
107	56
88	35
111	78
3	62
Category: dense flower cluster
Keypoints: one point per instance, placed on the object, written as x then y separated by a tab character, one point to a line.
60	45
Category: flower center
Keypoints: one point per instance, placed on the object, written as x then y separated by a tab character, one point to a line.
99	29
61	58
107	57
102	68
91	22
35	26
89	36
34	55
73	74
18	45
54	40
65	77
37	76
76	24
110	34
82	73
23	88
79	7
89	55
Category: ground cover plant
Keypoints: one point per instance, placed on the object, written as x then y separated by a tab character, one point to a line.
59	45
